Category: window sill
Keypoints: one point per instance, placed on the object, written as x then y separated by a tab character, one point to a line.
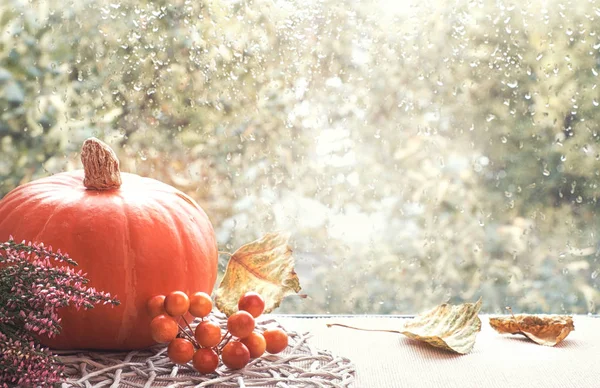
392	360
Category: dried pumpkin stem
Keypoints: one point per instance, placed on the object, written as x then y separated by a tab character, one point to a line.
361	329
100	166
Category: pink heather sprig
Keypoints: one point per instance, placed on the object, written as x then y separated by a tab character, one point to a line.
35	282
24	363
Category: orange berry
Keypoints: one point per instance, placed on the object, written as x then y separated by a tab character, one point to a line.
180	351
156	305
255	343
235	355
207	334
253	303
200	304
163	328
205	361
240	324
177	303
277	340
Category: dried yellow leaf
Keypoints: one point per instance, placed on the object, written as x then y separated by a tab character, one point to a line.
450	327
545	330
265	266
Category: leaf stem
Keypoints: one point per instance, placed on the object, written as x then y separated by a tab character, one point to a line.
358	328
515	318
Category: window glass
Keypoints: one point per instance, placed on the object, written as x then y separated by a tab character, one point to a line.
418	152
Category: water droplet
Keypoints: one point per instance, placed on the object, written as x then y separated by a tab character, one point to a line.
579	199
228	157
540	55
594	72
490	117
528	96
151	91
503	139
569	31
546	172
595	274
142	155
512	84
595	102
563	158
565	271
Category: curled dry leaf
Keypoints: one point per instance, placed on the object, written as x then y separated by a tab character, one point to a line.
450	327
265	266
446	326
544	330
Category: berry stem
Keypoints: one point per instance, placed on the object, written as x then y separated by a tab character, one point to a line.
224	340
187	324
188	335
358	328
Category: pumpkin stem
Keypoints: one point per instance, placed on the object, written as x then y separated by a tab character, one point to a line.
100	166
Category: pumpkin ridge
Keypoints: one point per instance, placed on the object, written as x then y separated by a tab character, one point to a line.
129	274
60	205
28	202
177	226
180	234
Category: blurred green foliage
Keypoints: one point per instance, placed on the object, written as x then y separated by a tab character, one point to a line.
419	153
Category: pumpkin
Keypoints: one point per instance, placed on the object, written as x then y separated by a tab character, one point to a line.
134	237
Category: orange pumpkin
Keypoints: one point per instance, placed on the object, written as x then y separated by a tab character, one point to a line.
135	237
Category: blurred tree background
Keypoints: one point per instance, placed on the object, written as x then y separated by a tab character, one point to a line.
418	152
